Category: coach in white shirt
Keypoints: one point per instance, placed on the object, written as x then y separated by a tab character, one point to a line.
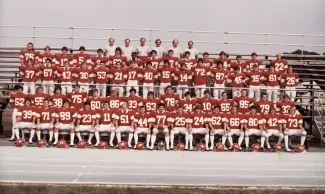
178	52
127	49
194	52
110	48
159	49
142	49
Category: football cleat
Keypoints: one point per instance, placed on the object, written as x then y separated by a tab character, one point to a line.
41	143
300	148
235	147
82	144
122	145
20	142
278	148
161	145
201	147
140	146
220	147
256	147
103	145
62	144
180	147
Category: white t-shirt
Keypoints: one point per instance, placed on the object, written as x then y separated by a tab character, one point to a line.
127	51
143	50
193	52
110	50
160	51
177	51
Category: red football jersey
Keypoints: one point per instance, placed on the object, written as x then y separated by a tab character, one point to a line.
151	104
263	107
254	78
143	120
66	116
118	76
183	77
124	118
292	121
149	75
29	74
284	106
45	115
96	61
56	100
38	99
137	63
233	120
200	75
77	99
272	121
66	74
17	99
87	117
156	62
133	102
226	62
206	63
197	120
114	102
170	101
188	104
251	63
207	103
61	58
133	73
272	78
236	80
242	67
160	118
290	80
280	65
253	121
225	105
80	58
84	75
243	103
219	75
95	103
105	116
178	119
48	72
42	57
189	63
101	75
165	75
25	113
215	119
25	55
173	61
115	59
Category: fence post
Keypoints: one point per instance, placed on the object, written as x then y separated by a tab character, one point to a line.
72	35
34	34
322	130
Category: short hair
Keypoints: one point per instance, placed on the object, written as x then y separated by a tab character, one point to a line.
187	93
170	51
19	87
39	87
206	91
150	93
190	41
200	60
205	53
66	101
215	106
57	88
87	103
111	39
197	107
187	52
77	85
174	40
222	53
169	86
157	40
237	68
253	107
254	54
238	56
142	39
95	90
219	63
64	48
224	93
264	94
285	96
142	107
28	99
161	105
179	107
48	60
153	51
133	90
272	66
82	48
99	50
47	47
149	63
127	39
118	49
166	61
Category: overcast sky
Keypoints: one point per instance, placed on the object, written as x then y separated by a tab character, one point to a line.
272	16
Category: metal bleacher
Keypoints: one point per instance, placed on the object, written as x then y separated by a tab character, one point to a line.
310	98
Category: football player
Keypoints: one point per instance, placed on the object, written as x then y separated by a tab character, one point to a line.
222	57
95	101
197	124
178	52
25	119
161	51
183	77
253	79
225	104
201	76
290	80
127	49
178	125
65	121
233	125
156	62
17	100
143	49
29	54
56	100
219	75
188	61
237	81
284	105
104	122
243	102
117	58
96	60
114	100
84	76
124	123
46	55
45	117
77	97
110	48
160	121
207	102
149	77
254	61
273	126
173	61
264	105
142	124
151	103
165	76
206	61
188	103
118	78
81	57
292	124
169	99
101	76
38	98
272	79
29	73
253	125
279	64
47	71
194	53
86	122
60	59
133	77
215	125
133	101
238	63
66	74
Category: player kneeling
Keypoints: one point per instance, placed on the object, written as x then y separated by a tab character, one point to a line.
178	125
197	124
105	123
86	122
124	123
45	117
292	124
66	117
254	126
273	126
25	119
142	124
215	124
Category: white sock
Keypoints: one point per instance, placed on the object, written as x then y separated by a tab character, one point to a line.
186	140
172	140
79	136
13	133
167	141
111	138
280	139
72	138
135	138
246	142
130	138
212	140
56	137
91	135
302	140
97	137
38	134
191	140
262	141
148	139
223	139
240	140
32	133
286	140
118	136
17	133
153	140
230	140
207	140
267	143
51	135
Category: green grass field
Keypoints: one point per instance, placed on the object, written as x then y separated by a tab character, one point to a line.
46	189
